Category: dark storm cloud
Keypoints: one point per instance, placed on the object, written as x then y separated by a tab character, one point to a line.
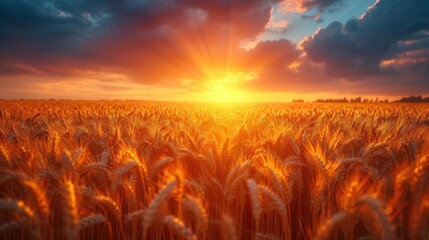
37	28
362	47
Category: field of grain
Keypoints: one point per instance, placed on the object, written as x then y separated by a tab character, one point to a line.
136	170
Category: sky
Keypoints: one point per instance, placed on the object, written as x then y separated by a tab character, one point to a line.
217	50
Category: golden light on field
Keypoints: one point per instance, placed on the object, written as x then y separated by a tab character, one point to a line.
146	170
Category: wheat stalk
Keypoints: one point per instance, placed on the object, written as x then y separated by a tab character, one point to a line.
228	228
179	227
379	212
272	198
255	202
195	206
156	204
12	225
70	212
139	214
326	229
91	220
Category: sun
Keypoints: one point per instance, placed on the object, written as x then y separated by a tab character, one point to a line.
220	92
223	88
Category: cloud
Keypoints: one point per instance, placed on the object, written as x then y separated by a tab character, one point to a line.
382	52
276	26
320	4
307	5
272	54
281	66
17	69
389	32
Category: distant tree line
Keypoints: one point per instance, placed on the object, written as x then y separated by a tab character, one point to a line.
352	100
414	99
410	99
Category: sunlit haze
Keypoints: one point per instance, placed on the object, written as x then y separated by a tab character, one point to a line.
214	51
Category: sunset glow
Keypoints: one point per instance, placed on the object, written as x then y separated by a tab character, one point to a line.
214	119
223	87
218	51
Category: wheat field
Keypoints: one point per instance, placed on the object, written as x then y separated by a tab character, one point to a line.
142	170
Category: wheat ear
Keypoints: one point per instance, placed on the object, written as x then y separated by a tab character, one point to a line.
179	227
156	204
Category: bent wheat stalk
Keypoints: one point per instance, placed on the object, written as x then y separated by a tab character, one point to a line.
155	205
